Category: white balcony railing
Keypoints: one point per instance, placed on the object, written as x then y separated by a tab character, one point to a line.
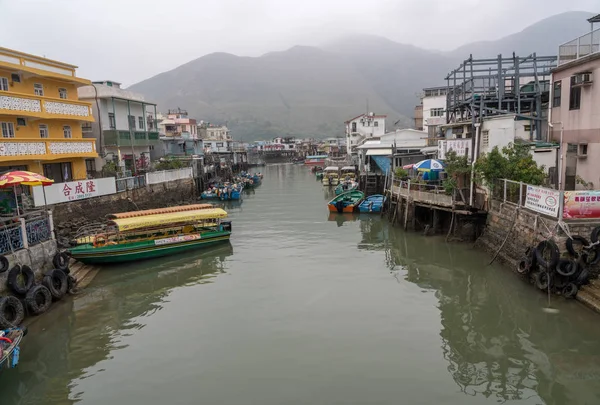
578	48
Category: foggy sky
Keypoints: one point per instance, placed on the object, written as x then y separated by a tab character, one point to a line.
131	40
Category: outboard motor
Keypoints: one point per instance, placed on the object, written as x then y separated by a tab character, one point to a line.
340	206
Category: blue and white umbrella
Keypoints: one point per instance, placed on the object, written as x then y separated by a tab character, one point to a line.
430	165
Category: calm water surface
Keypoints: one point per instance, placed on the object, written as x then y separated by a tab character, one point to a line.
308	308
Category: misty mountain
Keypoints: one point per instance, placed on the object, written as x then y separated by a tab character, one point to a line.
310	91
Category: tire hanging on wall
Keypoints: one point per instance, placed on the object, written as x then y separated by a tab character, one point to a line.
12	312
582	277
576	244
566	267
61	261
56	282
547	254
38	299
523	267
570	290
542	279
4	265
592	256
595	234
20	279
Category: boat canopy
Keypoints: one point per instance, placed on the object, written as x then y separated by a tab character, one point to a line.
149	221
331	169
317	157
179	208
348	169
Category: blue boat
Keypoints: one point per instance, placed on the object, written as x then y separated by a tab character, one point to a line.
9	347
231	192
210	195
372	204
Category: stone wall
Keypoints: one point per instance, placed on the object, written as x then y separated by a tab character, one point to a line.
38	257
69	217
529	229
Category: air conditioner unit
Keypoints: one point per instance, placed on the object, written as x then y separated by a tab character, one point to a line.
583	78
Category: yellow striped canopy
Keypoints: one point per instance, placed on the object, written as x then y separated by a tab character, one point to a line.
172	218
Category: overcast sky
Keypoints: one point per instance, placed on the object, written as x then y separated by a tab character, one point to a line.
131	40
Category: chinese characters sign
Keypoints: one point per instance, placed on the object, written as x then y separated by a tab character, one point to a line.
460	146
74	190
542	200
581	204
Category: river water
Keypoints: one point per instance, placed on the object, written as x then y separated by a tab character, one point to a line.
304	307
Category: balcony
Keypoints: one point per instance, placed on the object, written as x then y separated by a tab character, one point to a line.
578	48
12	149
127	138
25	105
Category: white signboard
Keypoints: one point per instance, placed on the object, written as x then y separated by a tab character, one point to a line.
460	146
74	190
542	200
176	239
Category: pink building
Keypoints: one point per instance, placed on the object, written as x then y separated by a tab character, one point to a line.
574	117
178	124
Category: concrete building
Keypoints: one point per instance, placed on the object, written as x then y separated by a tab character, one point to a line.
178	135
215	139
375	153
362	127
574	117
42	118
433	104
125	129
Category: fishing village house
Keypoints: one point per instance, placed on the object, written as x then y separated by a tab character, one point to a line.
362	127
215	139
574	117
42	117
125	129
179	135
432	110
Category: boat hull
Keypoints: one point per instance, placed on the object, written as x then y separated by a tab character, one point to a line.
145	250
314	162
372	204
347	208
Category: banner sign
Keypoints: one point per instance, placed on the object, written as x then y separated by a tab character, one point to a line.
542	200
460	146
176	239
581	204
73	191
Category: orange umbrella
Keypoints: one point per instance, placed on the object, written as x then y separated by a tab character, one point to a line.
21	177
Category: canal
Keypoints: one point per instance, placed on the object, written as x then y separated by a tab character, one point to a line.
309	308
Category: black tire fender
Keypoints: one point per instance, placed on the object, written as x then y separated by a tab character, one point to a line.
38	299
572	244
566	267
12	312
583	277
56	282
595	234
592	256
12	279
542	279
4	265
523	267
61	261
570	290
549	248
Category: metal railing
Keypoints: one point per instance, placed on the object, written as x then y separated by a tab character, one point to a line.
579	47
36	226
130	183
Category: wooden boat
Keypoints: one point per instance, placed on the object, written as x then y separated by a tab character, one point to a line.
331	176
372	204
346	185
346	202
153	233
348	173
316	160
9	347
319	175
231	192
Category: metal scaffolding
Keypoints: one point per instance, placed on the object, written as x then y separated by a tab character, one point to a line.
480	88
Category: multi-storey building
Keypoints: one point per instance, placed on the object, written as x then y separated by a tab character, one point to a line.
360	128
41	117
125	130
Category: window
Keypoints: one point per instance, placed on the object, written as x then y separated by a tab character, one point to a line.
86	127
21	122
141	122
43	131
8	130
485	139
15	77
528	128
3	84
38	89
62	93
574	95
131	121
219	144
582	149
556	93
67	131
572	148
111	121
437	112
90	165
376	124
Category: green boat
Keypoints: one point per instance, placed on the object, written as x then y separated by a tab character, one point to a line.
140	235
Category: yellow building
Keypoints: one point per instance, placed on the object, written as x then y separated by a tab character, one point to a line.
41	117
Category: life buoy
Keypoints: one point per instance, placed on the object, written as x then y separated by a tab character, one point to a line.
100	240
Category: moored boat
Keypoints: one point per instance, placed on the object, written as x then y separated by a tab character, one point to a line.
315	160
331	176
346	185
9	347
372	204
150	234
231	192
346	202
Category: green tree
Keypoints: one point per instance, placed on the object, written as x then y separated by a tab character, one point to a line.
514	162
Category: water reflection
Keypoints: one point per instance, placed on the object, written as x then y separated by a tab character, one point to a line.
340	218
65	344
496	339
